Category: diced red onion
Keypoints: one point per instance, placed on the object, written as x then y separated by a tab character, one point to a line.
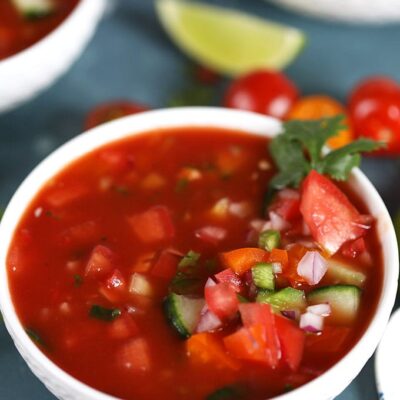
210	282
211	234
312	267
289	194
277	222
310	322
291	314
249	282
240	209
277	268
208	321
323	309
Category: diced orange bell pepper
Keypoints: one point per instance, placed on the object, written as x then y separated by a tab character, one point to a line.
207	348
279	256
241	260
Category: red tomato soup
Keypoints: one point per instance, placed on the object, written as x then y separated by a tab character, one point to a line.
23	24
150	268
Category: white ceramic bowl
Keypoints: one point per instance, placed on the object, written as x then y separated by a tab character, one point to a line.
354	11
67	388
27	73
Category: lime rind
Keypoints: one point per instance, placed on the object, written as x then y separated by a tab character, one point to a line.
229	41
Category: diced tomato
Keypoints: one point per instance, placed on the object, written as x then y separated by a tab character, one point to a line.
231	278
286	204
247	344
81	234
331	340
115	287
222	300
241	260
279	256
258	313
123	327
135	355
329	214
291	339
207	349
165	266
116	161
354	248
154	225
100	262
64	195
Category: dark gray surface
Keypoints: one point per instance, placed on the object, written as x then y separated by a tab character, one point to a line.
130	57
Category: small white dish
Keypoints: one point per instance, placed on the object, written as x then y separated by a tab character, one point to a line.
27	73
351	11
387	360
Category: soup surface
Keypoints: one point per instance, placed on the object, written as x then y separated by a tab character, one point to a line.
150	269
23	25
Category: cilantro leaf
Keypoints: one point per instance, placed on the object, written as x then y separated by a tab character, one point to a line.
299	149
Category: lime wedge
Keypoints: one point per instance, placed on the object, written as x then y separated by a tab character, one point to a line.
228	41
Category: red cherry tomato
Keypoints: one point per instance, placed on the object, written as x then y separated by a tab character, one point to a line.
106	112
264	92
375	112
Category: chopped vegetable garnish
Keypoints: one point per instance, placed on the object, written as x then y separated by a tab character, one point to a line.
104	314
263	276
78	280
189	260
269	239
299	150
35	336
226	393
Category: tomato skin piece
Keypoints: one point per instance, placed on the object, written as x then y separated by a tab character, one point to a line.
100	262
320	106
115	289
222	300
288	207
241	260
375	112
109	111
292	340
153	225
329	214
207	348
354	248
262	91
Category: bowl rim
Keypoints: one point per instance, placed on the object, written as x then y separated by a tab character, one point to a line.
46	40
180	117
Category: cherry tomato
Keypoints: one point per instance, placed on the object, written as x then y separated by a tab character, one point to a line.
109	111
375	112
319	106
264	92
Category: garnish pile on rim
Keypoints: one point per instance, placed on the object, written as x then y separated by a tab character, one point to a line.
150	260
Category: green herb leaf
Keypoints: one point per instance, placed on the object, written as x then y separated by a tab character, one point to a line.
35	337
300	148
227	393
189	260
104	314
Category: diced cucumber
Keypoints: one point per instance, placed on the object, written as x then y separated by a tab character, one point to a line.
183	313
284	299
34	9
269	239
263	295
341	273
343	299
263	276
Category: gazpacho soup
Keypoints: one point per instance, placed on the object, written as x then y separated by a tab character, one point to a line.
24	22
191	263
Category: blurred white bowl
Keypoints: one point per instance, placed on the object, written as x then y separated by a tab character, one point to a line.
25	74
355	11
